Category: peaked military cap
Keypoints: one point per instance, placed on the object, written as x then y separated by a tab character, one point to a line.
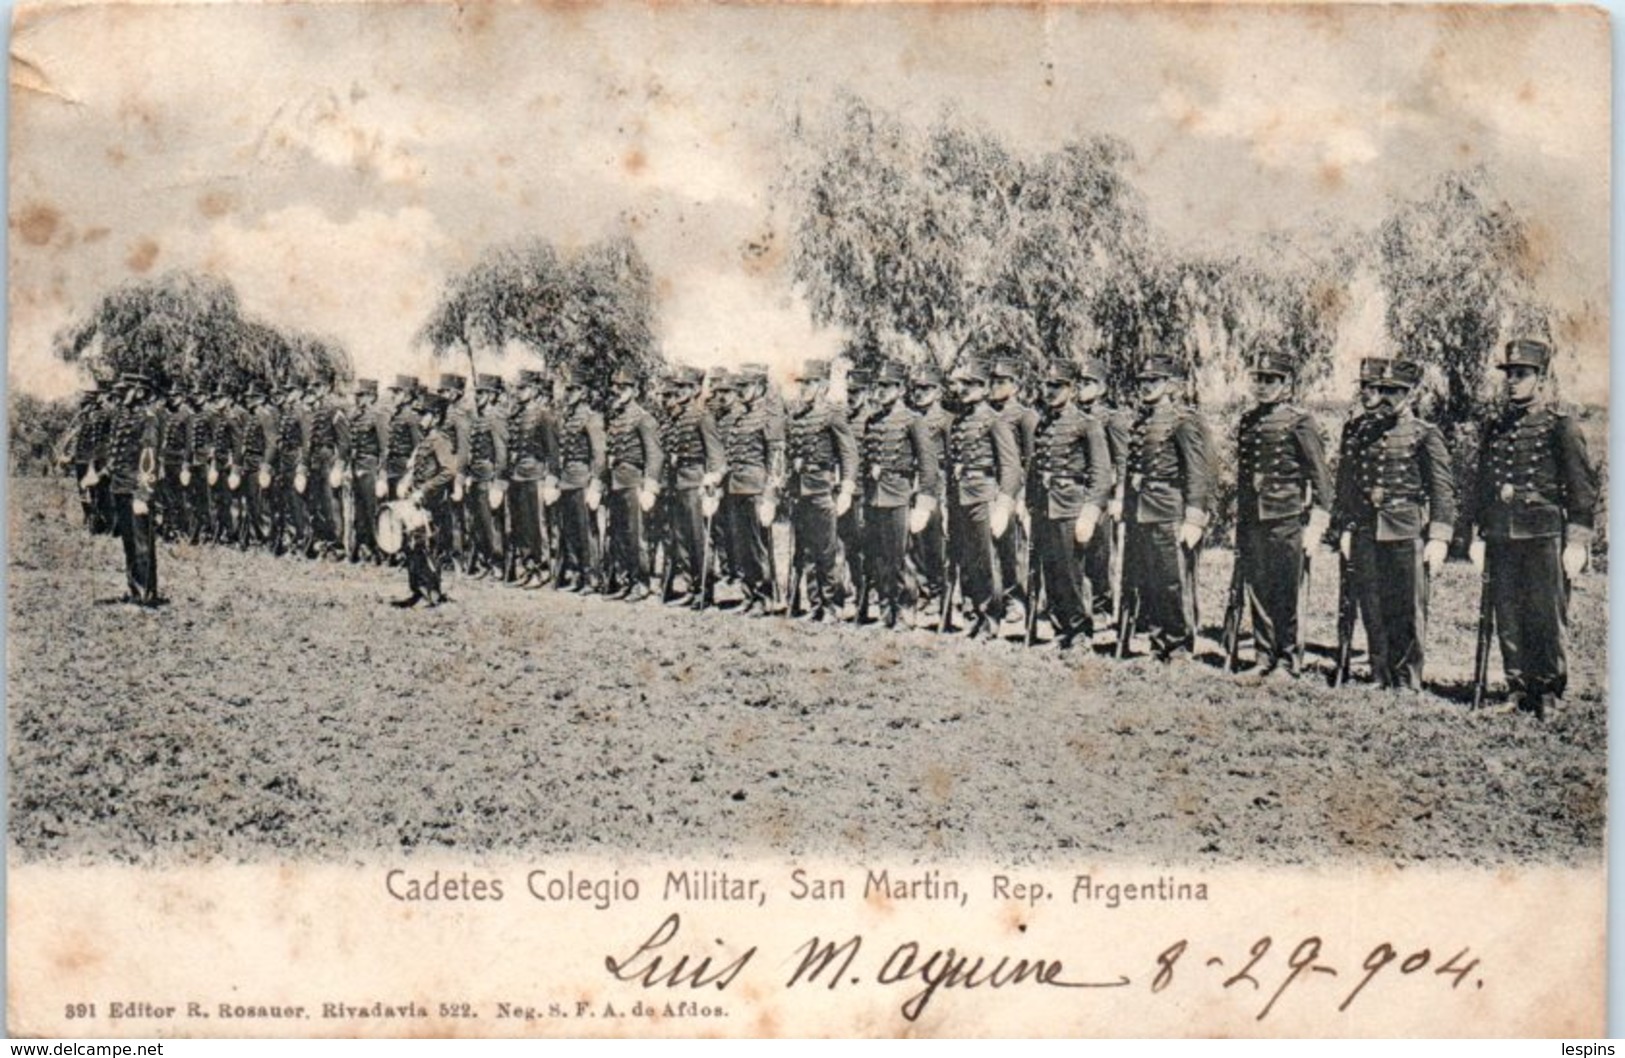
456	382
1062	371
891	373
927	374
1275	363
1386	371
684	375
529	376
722	378
970	370
753	372
1007	367
1159	365
814	370
135	378
367	385
488	383
623	376
405	383
428	400
1091	368
1526	352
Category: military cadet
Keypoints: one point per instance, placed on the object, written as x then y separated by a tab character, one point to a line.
1281	479
983	478
429	480
89	426
1532	511
926	548
1006	371
1394	512
583	453
101	488
1069	486
636	465
290	522
403	433
849	526
722	399
329	452
1166	510
901	481
133	470
451	530
1098	552
822	456
202	427
694	468
487	465
229	439
533	472
754	445
260	434
175	459
369	485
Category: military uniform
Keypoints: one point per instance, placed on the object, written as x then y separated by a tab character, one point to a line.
822	456
329	447
487	464
983	468
202	428
694	463
432	469
1281	475
533	462
636	462
1023	423
369	441
174	459
1118	424
1170	485
1071	473
1395	493
753	441
583	458
928	547
132	452
259	453
1535	492
290	523
900	470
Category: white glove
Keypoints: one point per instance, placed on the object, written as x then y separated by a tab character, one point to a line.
335	475
233	479
1083	530
920	516
416	498
1345	546
843	501
299	481
186	477
90	478
595	495
457	489
1576	554
214	476
138	506
999	520
1316	531
767	508
1115	509
709	502
1475	555
711	480
380	488
550	493
494	494
646	496
1190	535
1433	555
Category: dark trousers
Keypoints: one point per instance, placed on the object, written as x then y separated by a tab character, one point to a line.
628	559
1157	571
1531	612
1392	589
200	504
170	503
140	549
1097	569
747	544
526	539
1060	564
849	537
1008	548
981	580
1270	557
256	523
486	540
578	533
927	550
885	550
289	522
818	549
326	526
224	502
685	534
364	511
423	562
101	498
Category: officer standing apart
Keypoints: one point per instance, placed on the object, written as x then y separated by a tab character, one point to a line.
901	477
984	476
1394	513
1532	511
1280	471
1166	509
1068	488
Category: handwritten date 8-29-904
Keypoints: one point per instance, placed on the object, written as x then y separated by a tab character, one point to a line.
660	961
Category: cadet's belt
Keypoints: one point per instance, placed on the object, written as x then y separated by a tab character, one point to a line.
975	472
1048	477
1513	497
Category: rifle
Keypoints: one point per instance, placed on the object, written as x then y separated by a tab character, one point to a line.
950	584
1306	581
1345	621
1035	585
705	561
1486	630
1233	616
1118	537
1128	615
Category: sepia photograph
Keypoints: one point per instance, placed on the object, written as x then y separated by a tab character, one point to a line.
780	520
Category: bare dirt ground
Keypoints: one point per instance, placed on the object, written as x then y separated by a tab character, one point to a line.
279	708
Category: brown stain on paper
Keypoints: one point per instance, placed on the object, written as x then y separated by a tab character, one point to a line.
38	224
142	256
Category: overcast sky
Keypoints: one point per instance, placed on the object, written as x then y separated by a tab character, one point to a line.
338	162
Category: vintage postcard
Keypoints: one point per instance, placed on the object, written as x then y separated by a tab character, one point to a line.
774	520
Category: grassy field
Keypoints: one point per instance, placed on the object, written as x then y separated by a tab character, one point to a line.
280	707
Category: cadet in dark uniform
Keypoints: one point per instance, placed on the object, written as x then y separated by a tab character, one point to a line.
901	482
1532	509
101	454
1394	512
583	454
822	456
451	530
694	467
983	473
403	433
533	472
927	547
1166	509
1281	477
202	427
849	525
1004	396
259	453
369	440
134	472
487	464
1117	423
329	449
636	463
175	460
754	447
432	468
87	424
1069	485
